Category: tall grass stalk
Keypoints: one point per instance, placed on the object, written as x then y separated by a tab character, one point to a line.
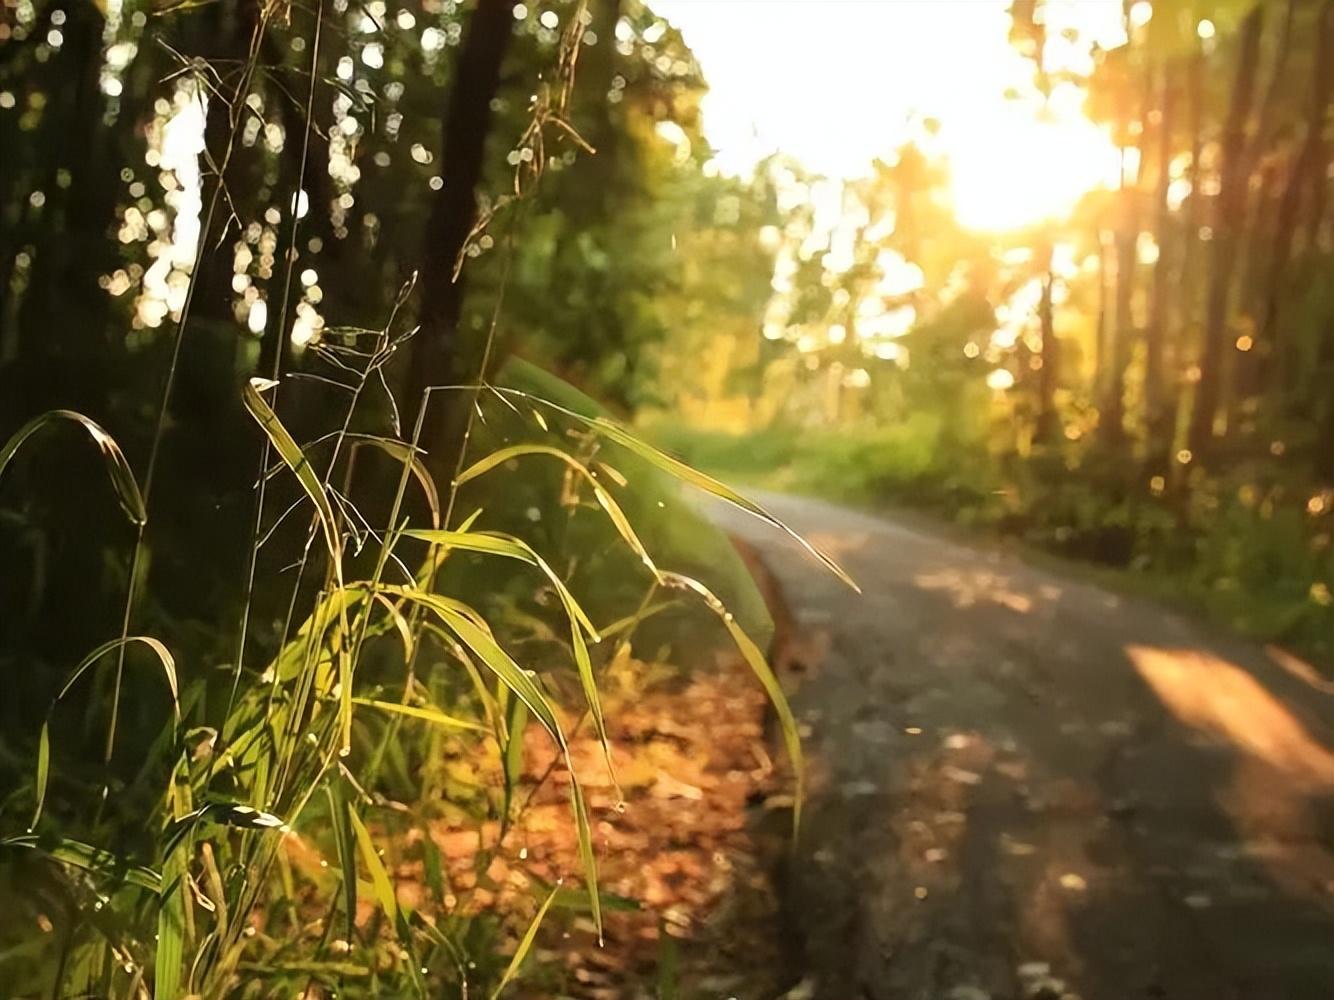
219	908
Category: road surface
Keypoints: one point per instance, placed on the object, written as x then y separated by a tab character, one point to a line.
1025	786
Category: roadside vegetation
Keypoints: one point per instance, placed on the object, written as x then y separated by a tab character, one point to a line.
279	663
1141	379
353	646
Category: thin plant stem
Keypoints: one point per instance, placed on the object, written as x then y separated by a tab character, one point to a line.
169	381
266	447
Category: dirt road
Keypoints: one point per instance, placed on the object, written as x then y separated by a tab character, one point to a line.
1024	786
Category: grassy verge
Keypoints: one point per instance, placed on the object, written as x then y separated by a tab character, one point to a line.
1243	553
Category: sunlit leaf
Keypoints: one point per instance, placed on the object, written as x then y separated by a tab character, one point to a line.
295	458
518	721
384	889
233	814
679	470
478	639
674	467
605	500
404	453
43	767
755	659
584	833
426	714
290	452
496	543
483	644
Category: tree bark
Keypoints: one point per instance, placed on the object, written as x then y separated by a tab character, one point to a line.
1230	213
437	356
1305	170
1156	407
1121	330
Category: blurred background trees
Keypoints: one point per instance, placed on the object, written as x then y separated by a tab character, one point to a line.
1146	379
117	184
1140	374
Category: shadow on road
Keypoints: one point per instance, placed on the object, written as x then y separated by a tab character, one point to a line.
1026	786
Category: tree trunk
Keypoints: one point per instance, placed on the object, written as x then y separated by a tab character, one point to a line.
1306	168
1156	409
1121	330
437	357
1229	215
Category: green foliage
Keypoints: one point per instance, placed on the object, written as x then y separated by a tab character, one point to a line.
296	727
1249	549
351	661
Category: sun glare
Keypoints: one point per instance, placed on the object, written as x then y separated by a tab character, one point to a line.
1019	170
836	84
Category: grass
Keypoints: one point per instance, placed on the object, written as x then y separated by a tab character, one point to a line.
295	754
1253	559
399	690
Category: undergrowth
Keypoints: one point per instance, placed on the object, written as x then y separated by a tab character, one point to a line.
247	844
1248	547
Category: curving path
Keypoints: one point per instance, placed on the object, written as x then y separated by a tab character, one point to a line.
1025	786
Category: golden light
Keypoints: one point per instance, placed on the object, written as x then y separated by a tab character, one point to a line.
838	83
1016	170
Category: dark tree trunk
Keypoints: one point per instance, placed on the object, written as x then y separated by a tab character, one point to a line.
1121	330
1229	216
1190	267
437	357
1157	411
1306	169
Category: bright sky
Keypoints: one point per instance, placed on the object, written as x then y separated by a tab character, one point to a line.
837	82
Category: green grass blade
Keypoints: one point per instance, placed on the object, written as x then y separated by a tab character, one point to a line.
384	889
501	544
605	500
525	946
293	657
668	965
43	769
476	638
513	748
233	814
426	714
679	470
484	645
91	859
296	460
671	466
122	477
759	666
290	452
584	832
631	620
404	453
497	543
403	626
171	925
164	656
347	859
